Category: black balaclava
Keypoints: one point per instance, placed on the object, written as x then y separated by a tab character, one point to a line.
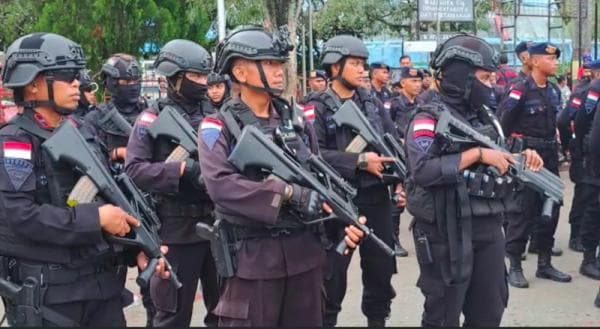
462	88
124	96
192	91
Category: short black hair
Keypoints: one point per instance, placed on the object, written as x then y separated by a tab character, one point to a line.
404	56
503	59
560	79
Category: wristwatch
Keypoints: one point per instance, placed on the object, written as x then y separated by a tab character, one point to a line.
362	161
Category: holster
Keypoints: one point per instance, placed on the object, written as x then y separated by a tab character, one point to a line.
224	248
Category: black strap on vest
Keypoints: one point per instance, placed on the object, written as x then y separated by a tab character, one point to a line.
25	122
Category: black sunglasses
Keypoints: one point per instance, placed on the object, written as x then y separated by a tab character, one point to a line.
65	75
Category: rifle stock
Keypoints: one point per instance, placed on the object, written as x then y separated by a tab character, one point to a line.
349	115
170	124
255	150
85	161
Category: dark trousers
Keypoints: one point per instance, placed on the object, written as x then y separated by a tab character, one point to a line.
377	268
483	297
92	313
191	262
292	301
517	227
582	196
590	225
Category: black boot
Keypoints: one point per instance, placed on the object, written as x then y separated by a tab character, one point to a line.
376	323
556	251
545	270
575	244
515	273
597	301
588	265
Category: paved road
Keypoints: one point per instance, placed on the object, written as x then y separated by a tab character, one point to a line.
545	303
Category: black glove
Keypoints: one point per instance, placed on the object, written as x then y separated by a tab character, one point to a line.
191	174
307	202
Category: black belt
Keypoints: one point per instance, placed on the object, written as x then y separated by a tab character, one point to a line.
167	208
59	274
249	233
539	143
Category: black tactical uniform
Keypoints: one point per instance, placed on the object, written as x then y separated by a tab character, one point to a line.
457	228
112	132
590	224
81	277
529	114
181	201
581	194
278	259
594	149
373	199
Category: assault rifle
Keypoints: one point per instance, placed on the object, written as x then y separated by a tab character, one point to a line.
544	181
349	115
255	150
67	145
170	124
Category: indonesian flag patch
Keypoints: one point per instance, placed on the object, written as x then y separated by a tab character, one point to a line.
147	118
309	113
593	96
210	130
17	150
576	102
17	162
424	133
515	94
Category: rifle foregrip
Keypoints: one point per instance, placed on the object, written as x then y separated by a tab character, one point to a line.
143	279
179	154
84	192
547	210
382	245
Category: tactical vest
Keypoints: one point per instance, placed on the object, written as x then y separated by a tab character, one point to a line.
54	182
340	137
163	147
113	135
235	116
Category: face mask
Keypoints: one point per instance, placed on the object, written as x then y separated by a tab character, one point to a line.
481	95
192	91
127	94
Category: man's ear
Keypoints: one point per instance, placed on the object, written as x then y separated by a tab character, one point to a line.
335	69
239	72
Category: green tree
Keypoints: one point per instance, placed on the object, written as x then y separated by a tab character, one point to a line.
18	18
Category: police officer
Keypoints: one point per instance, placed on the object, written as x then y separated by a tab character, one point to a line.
523	55
427	79
566	126
87	99
448	213
594	156
401	109
344	58
62	248
529	114
380	75
121	76
181	199
590	223
218	91
403	105
317	81
279	260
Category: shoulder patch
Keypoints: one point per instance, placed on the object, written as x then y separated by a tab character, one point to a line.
387	105
17	150
424	133
146	118
576	102
210	130
309	112
515	94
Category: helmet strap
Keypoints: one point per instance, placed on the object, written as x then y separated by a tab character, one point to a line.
273	92
50	102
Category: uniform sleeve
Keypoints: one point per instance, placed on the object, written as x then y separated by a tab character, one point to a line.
590	99
388	125
155	177
325	128
229	189
427	166
595	142
44	223
509	109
